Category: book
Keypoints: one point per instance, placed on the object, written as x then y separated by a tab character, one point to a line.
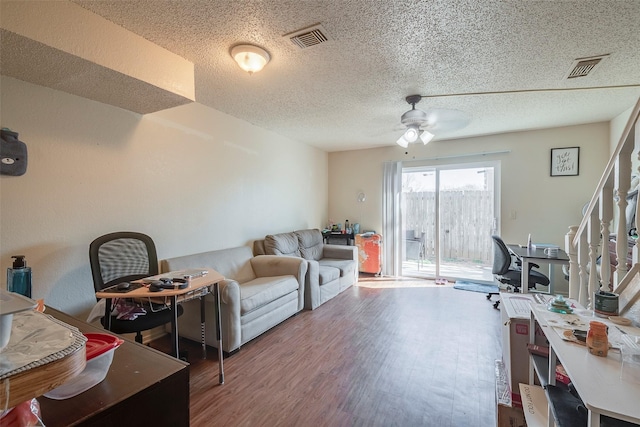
539	350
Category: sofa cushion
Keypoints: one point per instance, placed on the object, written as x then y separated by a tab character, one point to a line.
327	274
311	243
345	267
281	244
263	290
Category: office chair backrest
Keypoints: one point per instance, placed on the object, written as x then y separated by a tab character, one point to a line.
121	257
501	256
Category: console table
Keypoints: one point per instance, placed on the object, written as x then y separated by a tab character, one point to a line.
143	387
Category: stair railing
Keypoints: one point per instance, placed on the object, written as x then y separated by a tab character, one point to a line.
586	242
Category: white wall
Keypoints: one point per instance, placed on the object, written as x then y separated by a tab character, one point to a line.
191	177
617	127
544	206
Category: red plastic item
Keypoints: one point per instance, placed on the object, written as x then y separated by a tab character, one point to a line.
25	414
98	344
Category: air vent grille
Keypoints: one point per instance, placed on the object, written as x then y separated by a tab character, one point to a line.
308	37
583	66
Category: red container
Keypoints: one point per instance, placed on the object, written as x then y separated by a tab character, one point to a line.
99	354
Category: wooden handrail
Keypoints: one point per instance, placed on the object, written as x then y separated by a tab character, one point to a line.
633	118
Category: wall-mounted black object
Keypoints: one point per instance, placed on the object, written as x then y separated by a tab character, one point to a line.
13	154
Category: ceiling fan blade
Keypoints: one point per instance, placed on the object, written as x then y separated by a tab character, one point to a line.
445	120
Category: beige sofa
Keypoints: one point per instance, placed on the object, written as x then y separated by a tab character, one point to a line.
332	268
257	294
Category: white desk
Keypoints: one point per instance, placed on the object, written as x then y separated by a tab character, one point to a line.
597	379
536	256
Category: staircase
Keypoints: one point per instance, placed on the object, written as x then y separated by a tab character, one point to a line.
607	215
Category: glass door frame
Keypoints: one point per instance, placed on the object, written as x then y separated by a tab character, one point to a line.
495	164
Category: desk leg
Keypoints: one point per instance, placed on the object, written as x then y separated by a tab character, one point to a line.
553	361
174	327
202	328
107	314
524	279
532	340
216	297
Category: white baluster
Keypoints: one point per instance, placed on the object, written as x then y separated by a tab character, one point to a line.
623	180
574	269
593	239
606	214
583	258
634	136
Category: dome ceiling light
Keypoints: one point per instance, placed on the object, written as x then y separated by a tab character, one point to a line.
250	58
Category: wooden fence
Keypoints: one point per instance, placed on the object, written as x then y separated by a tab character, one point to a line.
466	223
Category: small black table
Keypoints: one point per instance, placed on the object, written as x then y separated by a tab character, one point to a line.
536	256
330	236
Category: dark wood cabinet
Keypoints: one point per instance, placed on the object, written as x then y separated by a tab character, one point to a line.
143	387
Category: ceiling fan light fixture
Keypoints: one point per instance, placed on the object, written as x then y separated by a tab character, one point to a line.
250	58
411	134
402	142
426	137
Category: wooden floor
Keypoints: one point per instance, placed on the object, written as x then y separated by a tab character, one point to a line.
372	356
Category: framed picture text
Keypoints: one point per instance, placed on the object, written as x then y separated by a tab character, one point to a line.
565	161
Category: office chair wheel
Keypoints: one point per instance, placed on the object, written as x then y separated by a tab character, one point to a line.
496	305
489	297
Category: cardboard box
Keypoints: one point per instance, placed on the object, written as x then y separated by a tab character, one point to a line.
506	414
535	404
516	319
509	416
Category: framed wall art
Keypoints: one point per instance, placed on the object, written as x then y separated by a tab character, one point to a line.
565	161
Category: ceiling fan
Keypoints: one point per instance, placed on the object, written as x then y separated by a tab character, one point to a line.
424	125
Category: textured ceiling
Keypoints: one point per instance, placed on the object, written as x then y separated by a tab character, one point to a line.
348	93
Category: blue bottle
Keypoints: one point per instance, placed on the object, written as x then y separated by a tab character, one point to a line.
19	277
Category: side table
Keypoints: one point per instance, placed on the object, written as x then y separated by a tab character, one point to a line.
348	238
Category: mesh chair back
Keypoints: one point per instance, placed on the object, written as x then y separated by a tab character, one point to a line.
501	256
120	257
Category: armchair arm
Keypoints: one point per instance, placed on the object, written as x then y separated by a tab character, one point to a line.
340	252
312	285
229	292
230	314
278	265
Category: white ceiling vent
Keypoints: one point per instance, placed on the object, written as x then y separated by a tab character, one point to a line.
308	37
581	67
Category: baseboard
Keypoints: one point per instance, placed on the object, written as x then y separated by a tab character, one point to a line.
153	334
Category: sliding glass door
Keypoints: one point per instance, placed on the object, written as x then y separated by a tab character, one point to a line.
448	216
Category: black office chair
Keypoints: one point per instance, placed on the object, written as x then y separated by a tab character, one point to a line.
122	257
512	276
414	246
